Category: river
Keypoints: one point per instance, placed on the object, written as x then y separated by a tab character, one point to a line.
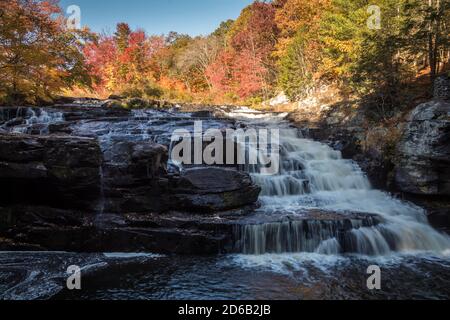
295	259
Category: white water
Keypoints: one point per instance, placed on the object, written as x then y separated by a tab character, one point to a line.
314	176
37	120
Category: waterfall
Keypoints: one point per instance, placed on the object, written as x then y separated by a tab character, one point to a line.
313	176
34	121
299	236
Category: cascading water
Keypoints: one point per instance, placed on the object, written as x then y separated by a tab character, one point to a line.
326	237
117	138
313	176
34	121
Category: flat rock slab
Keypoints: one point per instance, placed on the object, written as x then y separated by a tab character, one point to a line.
47	229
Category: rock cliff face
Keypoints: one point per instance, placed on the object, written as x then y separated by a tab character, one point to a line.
424	151
134	177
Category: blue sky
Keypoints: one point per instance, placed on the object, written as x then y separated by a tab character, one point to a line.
193	17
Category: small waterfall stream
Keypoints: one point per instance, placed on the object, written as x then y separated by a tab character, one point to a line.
36	120
313	176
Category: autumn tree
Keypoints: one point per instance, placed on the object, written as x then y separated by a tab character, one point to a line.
342	34
380	62
428	27
250	42
39	55
124	63
279	45
298	48
220	73
193	62
295	15
295	74
122	36
165	60
222	31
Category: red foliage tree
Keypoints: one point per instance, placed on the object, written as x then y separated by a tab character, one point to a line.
246	67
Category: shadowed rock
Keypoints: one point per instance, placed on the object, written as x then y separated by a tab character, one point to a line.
214	189
61	171
424	151
42	228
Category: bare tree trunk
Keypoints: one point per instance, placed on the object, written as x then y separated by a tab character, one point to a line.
430	44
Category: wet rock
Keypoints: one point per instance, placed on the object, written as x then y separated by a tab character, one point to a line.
60	128
60	171
37	228
202	114
45	228
132	170
98	182
424	151
77	113
64	100
11	245
134	176
142	160
212	189
14	122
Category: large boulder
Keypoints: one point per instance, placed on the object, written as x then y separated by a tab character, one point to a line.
52	170
209	189
424	151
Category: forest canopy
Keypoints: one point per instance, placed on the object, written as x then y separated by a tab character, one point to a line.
366	48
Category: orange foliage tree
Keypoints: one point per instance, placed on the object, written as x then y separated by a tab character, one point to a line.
39	55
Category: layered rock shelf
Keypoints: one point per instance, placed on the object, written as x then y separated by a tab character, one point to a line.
95	178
